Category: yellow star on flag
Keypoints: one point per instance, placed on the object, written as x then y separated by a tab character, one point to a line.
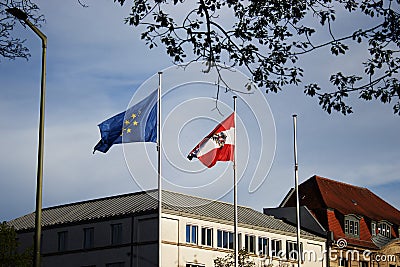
133	115
135	123
126	122
128	130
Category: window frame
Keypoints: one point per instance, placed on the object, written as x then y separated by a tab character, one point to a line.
250	243
263	250
207	236
293	247
240	245
193	237
373	228
62	241
352	225
224	239
344	261
385	228
116	233
274	252
88	237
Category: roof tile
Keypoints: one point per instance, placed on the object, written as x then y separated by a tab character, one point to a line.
128	204
350	199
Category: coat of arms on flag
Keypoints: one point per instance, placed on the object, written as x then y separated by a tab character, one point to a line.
219	145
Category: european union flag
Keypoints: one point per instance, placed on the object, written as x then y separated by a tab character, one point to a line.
137	124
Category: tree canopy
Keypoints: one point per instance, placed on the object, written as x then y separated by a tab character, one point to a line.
11	47
269	37
9	256
228	261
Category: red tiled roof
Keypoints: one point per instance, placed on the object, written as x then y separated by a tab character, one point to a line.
364	231
334	224
359	243
350	199
330	201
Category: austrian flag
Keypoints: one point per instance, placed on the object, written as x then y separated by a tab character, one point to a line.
219	145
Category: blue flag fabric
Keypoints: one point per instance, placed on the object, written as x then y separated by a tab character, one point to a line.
137	124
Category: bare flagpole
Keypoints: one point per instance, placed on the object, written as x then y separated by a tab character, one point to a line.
159	171
296	181
21	15
235	224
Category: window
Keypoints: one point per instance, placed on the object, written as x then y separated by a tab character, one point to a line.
224	239
88	237
250	243
62	241
351	225
191	234
373	228
292	251
276	248
231	242
206	236
116	233
384	229
263	246
343	262
219	238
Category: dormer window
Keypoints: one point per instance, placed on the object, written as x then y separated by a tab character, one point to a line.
352	225
384	228
373	228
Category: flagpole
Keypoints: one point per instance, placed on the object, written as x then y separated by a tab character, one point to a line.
235	224
159	171
296	181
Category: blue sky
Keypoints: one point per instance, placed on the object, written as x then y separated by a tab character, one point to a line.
96	63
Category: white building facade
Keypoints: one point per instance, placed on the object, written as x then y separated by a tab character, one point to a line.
122	231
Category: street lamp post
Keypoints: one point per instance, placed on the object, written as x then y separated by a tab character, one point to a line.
19	14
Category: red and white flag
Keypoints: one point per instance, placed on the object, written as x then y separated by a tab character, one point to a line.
219	145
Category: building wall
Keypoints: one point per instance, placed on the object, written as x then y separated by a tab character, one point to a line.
139	244
177	252
388	256
350	257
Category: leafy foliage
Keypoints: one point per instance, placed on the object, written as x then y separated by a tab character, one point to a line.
9	257
268	37
11	47
228	261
